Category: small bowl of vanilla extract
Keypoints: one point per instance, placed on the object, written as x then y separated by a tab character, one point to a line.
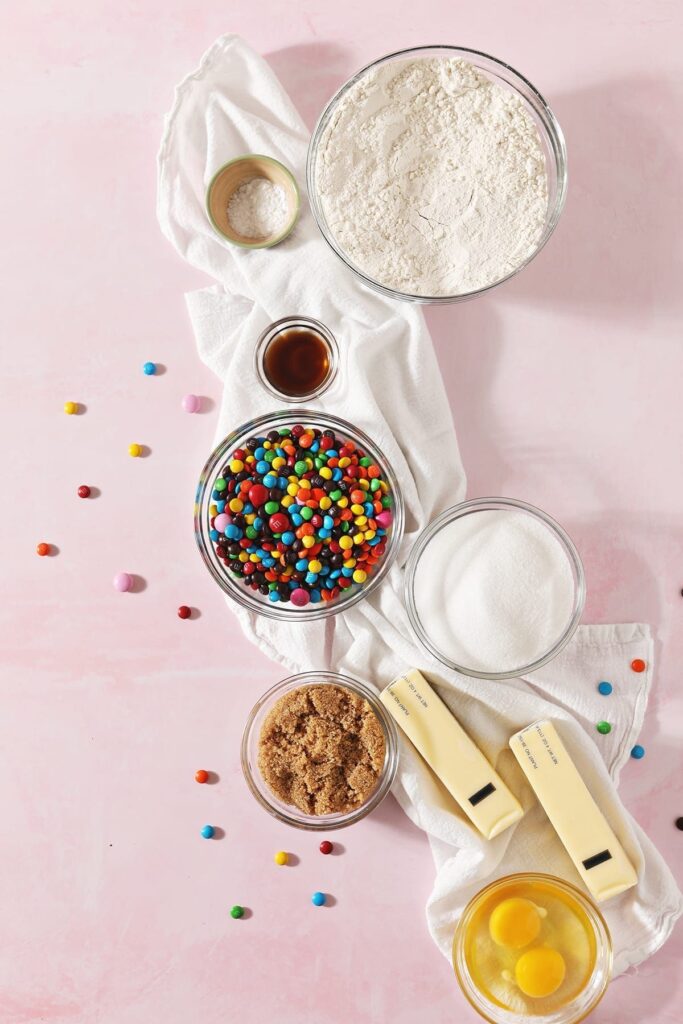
296	358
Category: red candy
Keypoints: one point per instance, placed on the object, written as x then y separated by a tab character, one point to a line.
326	846
638	665
43	549
258	494
279	522
84	491
184	612
201	776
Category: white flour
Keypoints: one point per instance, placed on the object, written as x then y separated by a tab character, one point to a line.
258	209
432	178
494	590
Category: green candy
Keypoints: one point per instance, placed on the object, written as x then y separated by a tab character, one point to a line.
272	507
220	484
318	462
386	501
236	911
251	533
284	432
305	513
365	462
335	495
269	456
604	727
300	468
375	485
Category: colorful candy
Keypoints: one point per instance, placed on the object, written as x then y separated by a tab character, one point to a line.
318	899
191	403
135	450
638	665
603	727
281	857
201	776
237	911
300	515
71	408
326	846
184	612
637	752
123	581
208	831
149	369
84	491
42	549
605	688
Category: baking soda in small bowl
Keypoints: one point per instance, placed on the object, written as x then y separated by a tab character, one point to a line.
258	209
494	588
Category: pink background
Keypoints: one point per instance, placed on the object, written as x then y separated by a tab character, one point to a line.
566	390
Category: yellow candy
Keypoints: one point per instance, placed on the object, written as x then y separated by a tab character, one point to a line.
308	542
369	534
358	538
254	558
250	459
325	503
287	501
213	511
349	563
342	502
343	463
345	542
363	484
293	489
357	510
325	472
314	565
515	923
236	505
361	520
306	484
243	557
278	462
540	972
236	466
281	857
250	518
72	407
135	450
359	576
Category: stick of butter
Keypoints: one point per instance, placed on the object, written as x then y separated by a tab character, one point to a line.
451	754
597	853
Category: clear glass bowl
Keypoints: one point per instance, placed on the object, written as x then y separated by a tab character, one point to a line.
287	813
572	1012
550	133
288	323
485	505
235	589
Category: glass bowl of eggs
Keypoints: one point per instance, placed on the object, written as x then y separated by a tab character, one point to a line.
532	946
298	515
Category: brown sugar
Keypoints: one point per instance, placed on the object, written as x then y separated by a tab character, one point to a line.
321	748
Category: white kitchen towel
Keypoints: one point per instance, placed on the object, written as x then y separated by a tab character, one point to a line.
389	385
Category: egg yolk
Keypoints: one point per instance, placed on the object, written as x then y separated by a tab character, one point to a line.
540	972
515	923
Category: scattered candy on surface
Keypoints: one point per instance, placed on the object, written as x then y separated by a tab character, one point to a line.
71	408
638	665
281	857
84	491
326	846
207	832
135	450
605	688
603	727
237	911
43	549
300	515
201	776
184	612
191	403
149	369
123	581
679	824
637	752
318	899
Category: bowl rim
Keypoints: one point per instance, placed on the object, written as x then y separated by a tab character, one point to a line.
292	815
268	242
593	912
286	612
557	147
488	504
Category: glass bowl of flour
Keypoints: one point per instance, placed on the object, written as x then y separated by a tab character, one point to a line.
437	173
494	588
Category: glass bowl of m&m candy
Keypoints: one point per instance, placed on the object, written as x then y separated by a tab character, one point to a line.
298	515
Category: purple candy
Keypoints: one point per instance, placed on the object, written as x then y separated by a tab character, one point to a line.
300	597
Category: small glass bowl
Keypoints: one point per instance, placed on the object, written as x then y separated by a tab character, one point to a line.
287	813
550	134
484	505
288	323
572	1012
253	600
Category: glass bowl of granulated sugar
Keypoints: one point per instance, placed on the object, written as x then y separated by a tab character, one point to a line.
437	173
494	588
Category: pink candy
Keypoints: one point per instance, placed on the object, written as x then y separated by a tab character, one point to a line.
221	521
123	581
300	597
385	519
191	403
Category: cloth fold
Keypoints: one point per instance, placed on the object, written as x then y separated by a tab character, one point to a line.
390	386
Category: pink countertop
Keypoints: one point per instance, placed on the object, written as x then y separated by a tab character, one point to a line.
566	391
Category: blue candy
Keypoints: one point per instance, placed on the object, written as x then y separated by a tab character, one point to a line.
273	596
149	369
315	596
207	832
328	522
214	535
233	532
318	899
638	752
262	467
605	688
288	537
220	506
269	480
301	565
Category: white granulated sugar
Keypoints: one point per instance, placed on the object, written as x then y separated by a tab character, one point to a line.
494	590
258	209
432	178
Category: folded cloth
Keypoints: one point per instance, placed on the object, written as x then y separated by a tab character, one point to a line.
390	386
